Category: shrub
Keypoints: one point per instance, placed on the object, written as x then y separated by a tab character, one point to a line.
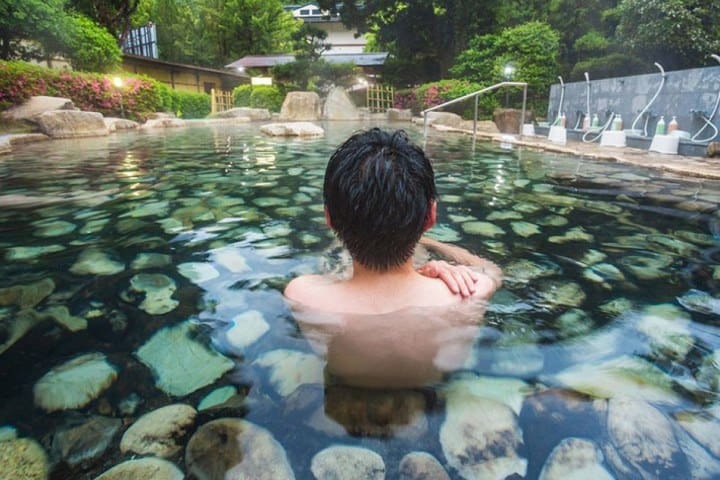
183	104
267	96
434	93
241	95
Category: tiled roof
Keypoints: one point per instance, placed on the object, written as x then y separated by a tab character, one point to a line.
359	59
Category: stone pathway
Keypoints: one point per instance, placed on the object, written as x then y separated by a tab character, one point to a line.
678	164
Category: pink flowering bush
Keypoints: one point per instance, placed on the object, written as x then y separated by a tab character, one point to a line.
432	94
405	99
140	96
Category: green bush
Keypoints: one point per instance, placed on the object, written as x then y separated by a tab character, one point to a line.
267	96
139	96
241	95
434	93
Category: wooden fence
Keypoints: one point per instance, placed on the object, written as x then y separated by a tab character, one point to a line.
220	101
380	98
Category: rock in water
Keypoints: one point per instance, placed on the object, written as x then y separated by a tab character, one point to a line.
300	106
644	438
235	449
36	105
157	432
340	462
26	296
701	302
338	106
446	119
71	124
293	129
75	383
421	466
180	363
246	329
94	262
85	438
158	290
143	469
289	369
575	459
480	438
23	458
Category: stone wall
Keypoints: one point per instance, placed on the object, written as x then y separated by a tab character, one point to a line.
684	90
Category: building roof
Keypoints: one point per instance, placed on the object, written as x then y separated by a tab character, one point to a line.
232	73
265	61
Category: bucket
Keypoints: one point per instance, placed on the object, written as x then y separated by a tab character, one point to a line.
612	138
665	144
558	134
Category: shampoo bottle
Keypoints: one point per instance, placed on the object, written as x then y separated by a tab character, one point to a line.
660	127
586	123
672	126
563	120
595	121
617	124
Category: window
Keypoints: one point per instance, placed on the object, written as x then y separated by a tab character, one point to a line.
305	12
316	11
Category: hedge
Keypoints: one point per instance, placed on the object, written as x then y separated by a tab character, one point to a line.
259	96
140	96
434	93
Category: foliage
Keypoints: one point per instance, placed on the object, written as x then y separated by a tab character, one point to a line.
90	47
113	15
319	75
423	36
434	93
217	32
310	41
678	33
531	48
609	66
259	96
241	95
95	92
35	29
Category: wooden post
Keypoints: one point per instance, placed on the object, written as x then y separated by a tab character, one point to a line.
213	104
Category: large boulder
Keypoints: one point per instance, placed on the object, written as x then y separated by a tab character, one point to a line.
158	432
34	106
399	115
338	106
143	468
163	122
294	129
254	114
508	119
446	119
71	124
114	124
341	462
300	106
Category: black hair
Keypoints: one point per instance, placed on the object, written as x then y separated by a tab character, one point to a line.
378	191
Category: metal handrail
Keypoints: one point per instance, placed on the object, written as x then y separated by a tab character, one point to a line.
476	95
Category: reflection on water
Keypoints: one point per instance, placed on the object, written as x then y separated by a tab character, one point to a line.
142	271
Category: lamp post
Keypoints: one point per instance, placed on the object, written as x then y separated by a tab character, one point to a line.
508	73
117	81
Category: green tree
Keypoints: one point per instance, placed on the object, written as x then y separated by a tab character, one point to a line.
677	33
90	47
531	49
423	36
114	15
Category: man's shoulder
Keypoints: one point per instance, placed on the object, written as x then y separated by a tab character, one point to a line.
305	288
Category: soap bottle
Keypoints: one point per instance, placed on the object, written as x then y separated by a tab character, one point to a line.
617	124
595	121
673	125
586	122
660	127
563	120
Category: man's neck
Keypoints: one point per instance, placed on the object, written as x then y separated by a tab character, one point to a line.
365	275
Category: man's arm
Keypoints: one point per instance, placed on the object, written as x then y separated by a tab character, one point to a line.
463	257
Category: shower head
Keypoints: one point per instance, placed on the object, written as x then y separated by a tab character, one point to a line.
587	77
716	57
562	84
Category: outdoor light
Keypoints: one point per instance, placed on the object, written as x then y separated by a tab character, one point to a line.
508	71
117	81
241	69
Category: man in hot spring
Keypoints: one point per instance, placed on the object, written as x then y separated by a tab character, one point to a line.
385	322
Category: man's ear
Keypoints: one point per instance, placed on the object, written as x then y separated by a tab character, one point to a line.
327	218
431	217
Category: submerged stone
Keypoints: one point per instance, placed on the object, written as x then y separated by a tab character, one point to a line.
561	293
95	262
159	432
84	439
264	202
143	468
703	427
673	244
480	438
573	323
575	234
668	330
525	229
74	383
524	270
198	272
342	462
62	316
508	391
709	371
290	368
232	448
616	306
217	397
643	437
158	290
150	260
23	458
150	209
28	295
575	459
485	229
623	376
421	466
180	363
504	215
553	221
231	259
54	228
701	302
31	253
647	266
246	329
443	233
591	257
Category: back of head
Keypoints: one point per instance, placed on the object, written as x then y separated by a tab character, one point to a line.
378	191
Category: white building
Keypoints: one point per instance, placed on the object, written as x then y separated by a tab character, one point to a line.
339	37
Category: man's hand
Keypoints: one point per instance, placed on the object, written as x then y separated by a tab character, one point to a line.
459	278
